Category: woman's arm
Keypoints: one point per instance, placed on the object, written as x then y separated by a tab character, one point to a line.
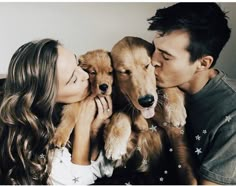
81	142
104	111
86	162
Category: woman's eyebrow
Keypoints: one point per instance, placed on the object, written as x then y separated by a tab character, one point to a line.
76	60
73	71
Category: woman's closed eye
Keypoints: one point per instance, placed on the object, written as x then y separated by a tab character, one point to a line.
74	79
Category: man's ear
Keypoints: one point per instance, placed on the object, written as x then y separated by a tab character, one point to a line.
205	63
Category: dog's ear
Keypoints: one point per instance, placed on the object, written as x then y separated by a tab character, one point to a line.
81	59
109	54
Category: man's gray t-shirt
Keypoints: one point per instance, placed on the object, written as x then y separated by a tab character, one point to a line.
211	127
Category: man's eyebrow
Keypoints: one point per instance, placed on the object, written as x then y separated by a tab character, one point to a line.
165	52
70	77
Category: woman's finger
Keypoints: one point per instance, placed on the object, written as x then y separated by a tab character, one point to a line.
109	102
99	105
104	104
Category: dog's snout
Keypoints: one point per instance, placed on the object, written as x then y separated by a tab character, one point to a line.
103	87
146	101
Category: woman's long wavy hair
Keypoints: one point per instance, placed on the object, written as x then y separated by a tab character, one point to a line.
26	127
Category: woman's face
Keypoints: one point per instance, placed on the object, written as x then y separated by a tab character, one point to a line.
73	80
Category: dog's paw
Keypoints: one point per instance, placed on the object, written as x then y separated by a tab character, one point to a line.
115	148
60	138
175	115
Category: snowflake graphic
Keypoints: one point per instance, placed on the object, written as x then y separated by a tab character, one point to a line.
165	172
179	166
145	162
171	150
204	131
153	128
139	149
161	179
170	108
228	118
42	156
128	183
165	96
198	151
198	137
75	179
165	124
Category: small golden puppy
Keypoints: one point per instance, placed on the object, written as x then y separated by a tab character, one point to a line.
99	67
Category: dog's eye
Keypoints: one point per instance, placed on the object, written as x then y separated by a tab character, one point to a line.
110	73
93	72
127	72
147	66
124	72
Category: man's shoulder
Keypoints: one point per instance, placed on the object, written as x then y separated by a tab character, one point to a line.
229	82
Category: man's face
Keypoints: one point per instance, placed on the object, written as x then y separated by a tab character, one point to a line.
172	61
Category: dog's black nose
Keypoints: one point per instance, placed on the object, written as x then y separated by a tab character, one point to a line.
103	87
146	101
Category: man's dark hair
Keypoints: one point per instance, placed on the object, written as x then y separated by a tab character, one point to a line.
205	23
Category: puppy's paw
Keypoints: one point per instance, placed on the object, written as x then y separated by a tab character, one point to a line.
61	137
115	147
175	115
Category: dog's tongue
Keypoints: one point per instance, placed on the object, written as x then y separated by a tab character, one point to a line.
148	113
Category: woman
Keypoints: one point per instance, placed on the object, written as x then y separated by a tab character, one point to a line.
40	75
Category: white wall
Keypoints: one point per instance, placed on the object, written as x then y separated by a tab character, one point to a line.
87	26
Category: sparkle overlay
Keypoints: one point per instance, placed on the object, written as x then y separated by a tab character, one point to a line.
145	162
182	131
139	149
42	156
75	179
228	118
128	183
153	128
165	124
198	137
198	151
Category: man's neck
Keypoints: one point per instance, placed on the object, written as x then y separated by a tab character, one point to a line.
198	81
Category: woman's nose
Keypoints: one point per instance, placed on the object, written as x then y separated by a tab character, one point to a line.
84	75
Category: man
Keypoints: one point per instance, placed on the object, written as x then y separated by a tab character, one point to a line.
189	38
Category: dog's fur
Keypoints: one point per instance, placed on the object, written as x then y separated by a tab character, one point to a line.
99	67
128	135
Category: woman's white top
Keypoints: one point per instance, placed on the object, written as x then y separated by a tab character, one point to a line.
64	172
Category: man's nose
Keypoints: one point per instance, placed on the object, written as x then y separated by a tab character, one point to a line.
155	61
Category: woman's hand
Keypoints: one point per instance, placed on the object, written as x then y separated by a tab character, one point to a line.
82	133
104	111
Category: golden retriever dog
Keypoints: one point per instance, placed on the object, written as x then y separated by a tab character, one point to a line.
145	118
99	67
